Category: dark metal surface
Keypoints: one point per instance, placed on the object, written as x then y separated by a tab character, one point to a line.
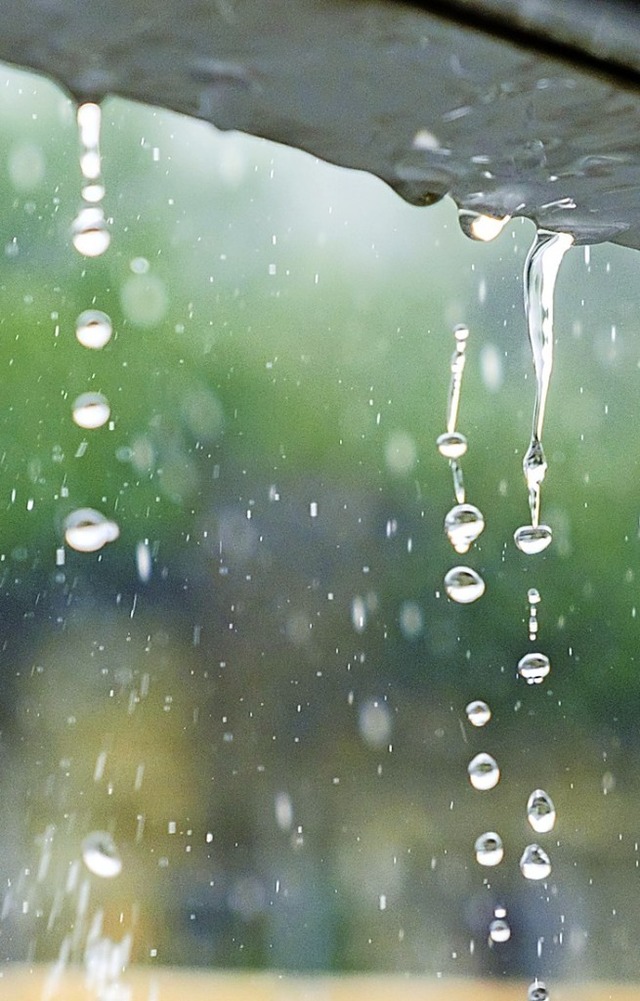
519	107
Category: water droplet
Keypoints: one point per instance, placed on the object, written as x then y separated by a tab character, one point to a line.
100	855
488	849
452	444
533	597
463	524
144	563
93	329
463	585
534	667
91	410
541	813
87	531
483	772
532	539
535	863
481	227
89	231
537	992
499	930
478	713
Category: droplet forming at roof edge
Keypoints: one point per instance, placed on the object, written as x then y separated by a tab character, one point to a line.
509	110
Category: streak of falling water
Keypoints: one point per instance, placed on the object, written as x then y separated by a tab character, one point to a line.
533	597
540	273
89	231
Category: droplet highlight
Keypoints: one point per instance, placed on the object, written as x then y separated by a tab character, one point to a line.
88	531
484	773
100	855
464	585
489	849
541	813
535	863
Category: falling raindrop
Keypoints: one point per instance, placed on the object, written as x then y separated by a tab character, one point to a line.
100	855
358	614
93	329
463	585
478	713
537	991
534	667
535	863
533	597
452	444
89	120
91	410
89	231
532	539
144	564
463	525
481	227
499	929
87	531
541	813
489	850
483	772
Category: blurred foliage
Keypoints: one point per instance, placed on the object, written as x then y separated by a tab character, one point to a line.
287	789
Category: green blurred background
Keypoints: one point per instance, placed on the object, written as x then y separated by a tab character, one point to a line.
286	780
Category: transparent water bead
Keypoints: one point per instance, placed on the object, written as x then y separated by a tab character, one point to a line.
87	531
452	444
483	772
100	855
481	227
535	863
478	713
489	850
534	667
91	410
532	539
463	524
533	597
537	991
499	931
89	231
94	329
541	813
463	585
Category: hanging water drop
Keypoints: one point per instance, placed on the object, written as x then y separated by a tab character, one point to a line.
483	772
478	713
91	410
489	850
93	329
537	991
87	531
535	863
452	444
534	667
541	813
100	855
463	585
532	539
533	597
89	231
481	227
463	524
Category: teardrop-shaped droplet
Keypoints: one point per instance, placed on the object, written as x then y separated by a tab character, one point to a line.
535	863
534	667
87	531
481	227
452	444
478	712
463	524
537	991
489	850
91	410
499	930
100	855
541	813
89	231
463	585
532	539
93	329
483	772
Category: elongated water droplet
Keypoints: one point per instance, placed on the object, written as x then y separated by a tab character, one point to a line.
535	863
541	813
458	481
533	597
463	585
499	931
489	850
89	120
483	772
481	227
458	358
532	539
478	713
87	531
358	614
537	992
452	445
89	231
93	329
100	855
91	410
463	524
534	667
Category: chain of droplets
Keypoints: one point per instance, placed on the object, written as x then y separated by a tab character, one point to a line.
87	530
